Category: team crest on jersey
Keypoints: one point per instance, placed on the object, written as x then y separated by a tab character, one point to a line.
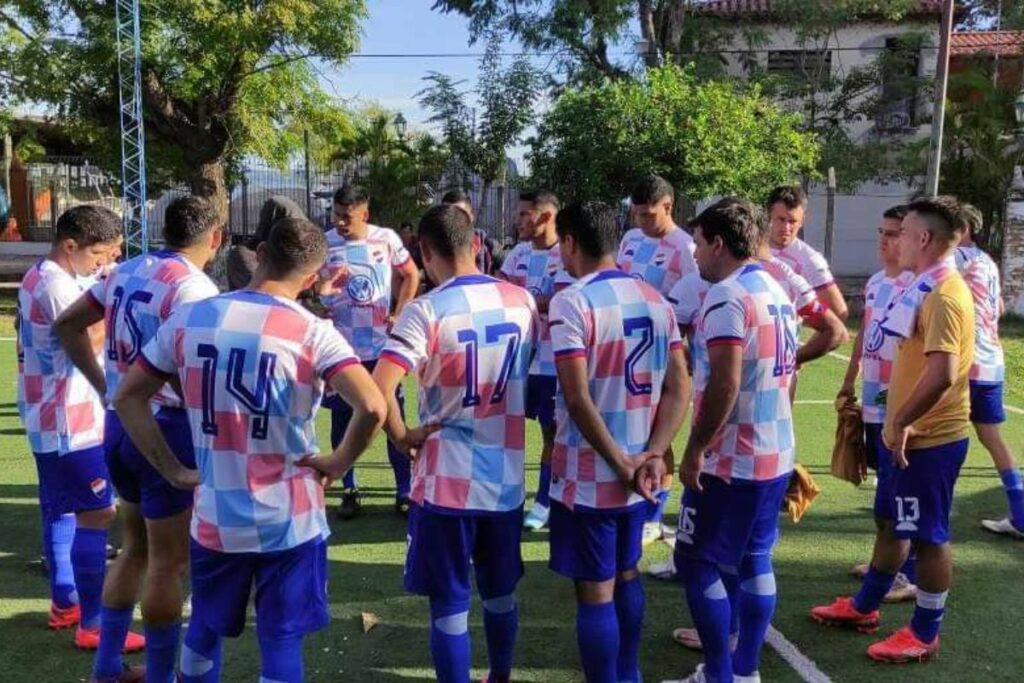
659	259
377	257
98	486
360	289
535	291
875	338
522	266
629	252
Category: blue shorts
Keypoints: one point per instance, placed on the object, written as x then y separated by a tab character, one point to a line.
75	482
540	399
922	494
443	546
883	469
341	412
595	545
291	590
987	403
135	479
728	521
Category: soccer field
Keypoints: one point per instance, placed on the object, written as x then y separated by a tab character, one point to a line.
981	637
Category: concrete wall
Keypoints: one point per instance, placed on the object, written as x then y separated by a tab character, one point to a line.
1013	258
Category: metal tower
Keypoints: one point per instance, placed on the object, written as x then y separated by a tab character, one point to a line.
133	139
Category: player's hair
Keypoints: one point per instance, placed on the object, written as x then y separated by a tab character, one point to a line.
406	224
651	189
293	245
187	219
791	196
88	224
971	220
737	221
351	195
896	213
456	196
592	225
942	214
447	230
538	197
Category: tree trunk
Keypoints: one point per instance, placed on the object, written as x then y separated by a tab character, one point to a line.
207	179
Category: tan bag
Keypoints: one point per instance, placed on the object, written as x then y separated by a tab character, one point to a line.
800	493
849	454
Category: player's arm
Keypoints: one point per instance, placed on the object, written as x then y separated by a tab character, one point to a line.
833	300
409	284
76	329
717	402
829	334
849	387
355	386
387	375
938	376
672	408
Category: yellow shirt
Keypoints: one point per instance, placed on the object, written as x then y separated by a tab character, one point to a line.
945	324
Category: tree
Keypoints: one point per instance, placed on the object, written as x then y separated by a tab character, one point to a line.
707	138
221	78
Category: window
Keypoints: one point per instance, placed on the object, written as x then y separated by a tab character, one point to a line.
800	64
900	68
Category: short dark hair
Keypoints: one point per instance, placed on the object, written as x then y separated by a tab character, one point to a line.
896	213
88	224
406	224
351	195
188	218
536	197
651	189
791	196
943	214
447	230
456	196
971	219
737	221
592	225
294	244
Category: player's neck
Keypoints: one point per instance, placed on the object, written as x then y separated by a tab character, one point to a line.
588	267
967	241
660	230
932	258
58	256
892	271
457	268
356	234
778	245
198	256
546	239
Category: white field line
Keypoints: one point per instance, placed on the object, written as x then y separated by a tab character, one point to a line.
800	662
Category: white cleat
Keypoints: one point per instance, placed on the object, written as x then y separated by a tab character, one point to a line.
1003	527
537	518
696	677
663	571
652	532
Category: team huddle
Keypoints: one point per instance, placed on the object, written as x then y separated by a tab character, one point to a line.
197	409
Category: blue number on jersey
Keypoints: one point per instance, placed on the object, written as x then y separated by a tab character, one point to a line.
135	333
492	334
785	340
643	326
257	400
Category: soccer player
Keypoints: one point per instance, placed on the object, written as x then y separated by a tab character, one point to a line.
739	455
926	428
660	253
469	341
536	265
787	210
362	259
135	299
252	365
486	246
872	357
987	412
623	391
63	418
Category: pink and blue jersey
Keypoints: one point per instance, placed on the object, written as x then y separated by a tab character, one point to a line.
807	262
470	342
982	276
138	297
625	330
797	288
361	272
879	349
59	408
540	272
659	261
750	309
252	369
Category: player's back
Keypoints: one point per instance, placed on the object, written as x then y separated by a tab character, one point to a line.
470	342
793	284
981	274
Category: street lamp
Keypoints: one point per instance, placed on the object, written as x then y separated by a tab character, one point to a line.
1019	112
401	126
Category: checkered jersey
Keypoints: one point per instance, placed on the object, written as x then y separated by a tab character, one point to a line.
540	272
59	408
252	370
660	262
361	271
624	330
796	287
136	298
982	276
470	342
879	349
806	261
751	310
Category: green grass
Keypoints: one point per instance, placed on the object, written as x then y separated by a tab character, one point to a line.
981	632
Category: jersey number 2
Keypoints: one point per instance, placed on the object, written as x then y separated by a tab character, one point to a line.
257	400
632	327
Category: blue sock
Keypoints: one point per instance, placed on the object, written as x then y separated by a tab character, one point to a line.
909	568
280	660
629	608
544	485
597	635
449	640
1014	487
658	511
928	615
731	581
89	560
709	606
349	480
200	655
58	536
161	652
872	591
501	625
757	606
402	468
114	625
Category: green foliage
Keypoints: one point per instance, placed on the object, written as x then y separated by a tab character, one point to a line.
707	138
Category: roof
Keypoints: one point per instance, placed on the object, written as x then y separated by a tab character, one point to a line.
1002	43
762	9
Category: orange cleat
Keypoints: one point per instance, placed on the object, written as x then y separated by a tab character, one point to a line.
89	639
129	674
903	646
63	617
843	613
